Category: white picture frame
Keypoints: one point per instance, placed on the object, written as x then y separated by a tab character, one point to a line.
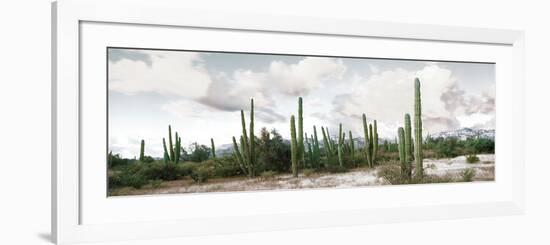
68	18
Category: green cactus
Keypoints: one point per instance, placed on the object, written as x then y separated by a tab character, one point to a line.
367	151
352	148
375	143
301	146
309	152
170	142
213	148
326	144
340	146
293	147
246	154
316	150
402	149
419	172
408	145
238	155
252	145
166	155
142	151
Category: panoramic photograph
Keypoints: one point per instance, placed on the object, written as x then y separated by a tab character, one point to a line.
205	122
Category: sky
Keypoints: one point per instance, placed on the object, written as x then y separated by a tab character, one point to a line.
201	94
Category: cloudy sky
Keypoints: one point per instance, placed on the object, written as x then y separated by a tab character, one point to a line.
201	93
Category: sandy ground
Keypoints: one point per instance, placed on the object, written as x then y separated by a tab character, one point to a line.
484	170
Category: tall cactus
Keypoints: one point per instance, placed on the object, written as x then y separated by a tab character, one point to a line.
166	157
340	146
367	151
374	137
246	154
352	148
252	144
408	145
293	147
316	150
213	148
172	152
301	147
238	155
142	151
326	144
419	173
402	149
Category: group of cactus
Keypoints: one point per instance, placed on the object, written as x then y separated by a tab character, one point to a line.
312	157
245	154
405	143
172	153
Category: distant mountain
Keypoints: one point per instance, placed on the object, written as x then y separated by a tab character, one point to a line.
465	133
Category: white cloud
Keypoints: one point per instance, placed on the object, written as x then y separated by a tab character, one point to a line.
170	73
387	96
300	78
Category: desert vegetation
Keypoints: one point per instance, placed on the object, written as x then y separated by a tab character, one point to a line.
303	159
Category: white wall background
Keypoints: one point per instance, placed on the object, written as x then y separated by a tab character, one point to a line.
25	122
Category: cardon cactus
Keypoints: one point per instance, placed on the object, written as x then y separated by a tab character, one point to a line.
326	144
352	148
213	148
374	137
419	172
246	154
367	150
316	150
293	147
408	145
142	151
301	146
402	150
340	146
171	154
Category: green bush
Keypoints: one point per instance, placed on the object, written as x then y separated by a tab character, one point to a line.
472	158
201	174
131	176
468	174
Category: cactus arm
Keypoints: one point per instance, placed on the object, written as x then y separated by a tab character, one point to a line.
238	155
375	142
171	147
367	141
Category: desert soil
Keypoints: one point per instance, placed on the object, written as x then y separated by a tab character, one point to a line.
484	171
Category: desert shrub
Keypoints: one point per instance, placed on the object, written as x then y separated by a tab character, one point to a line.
201	174
131	176
186	168
480	145
273	152
308	172
472	158
227	171
148	159
468	174
268	174
392	174
199	152
160	170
